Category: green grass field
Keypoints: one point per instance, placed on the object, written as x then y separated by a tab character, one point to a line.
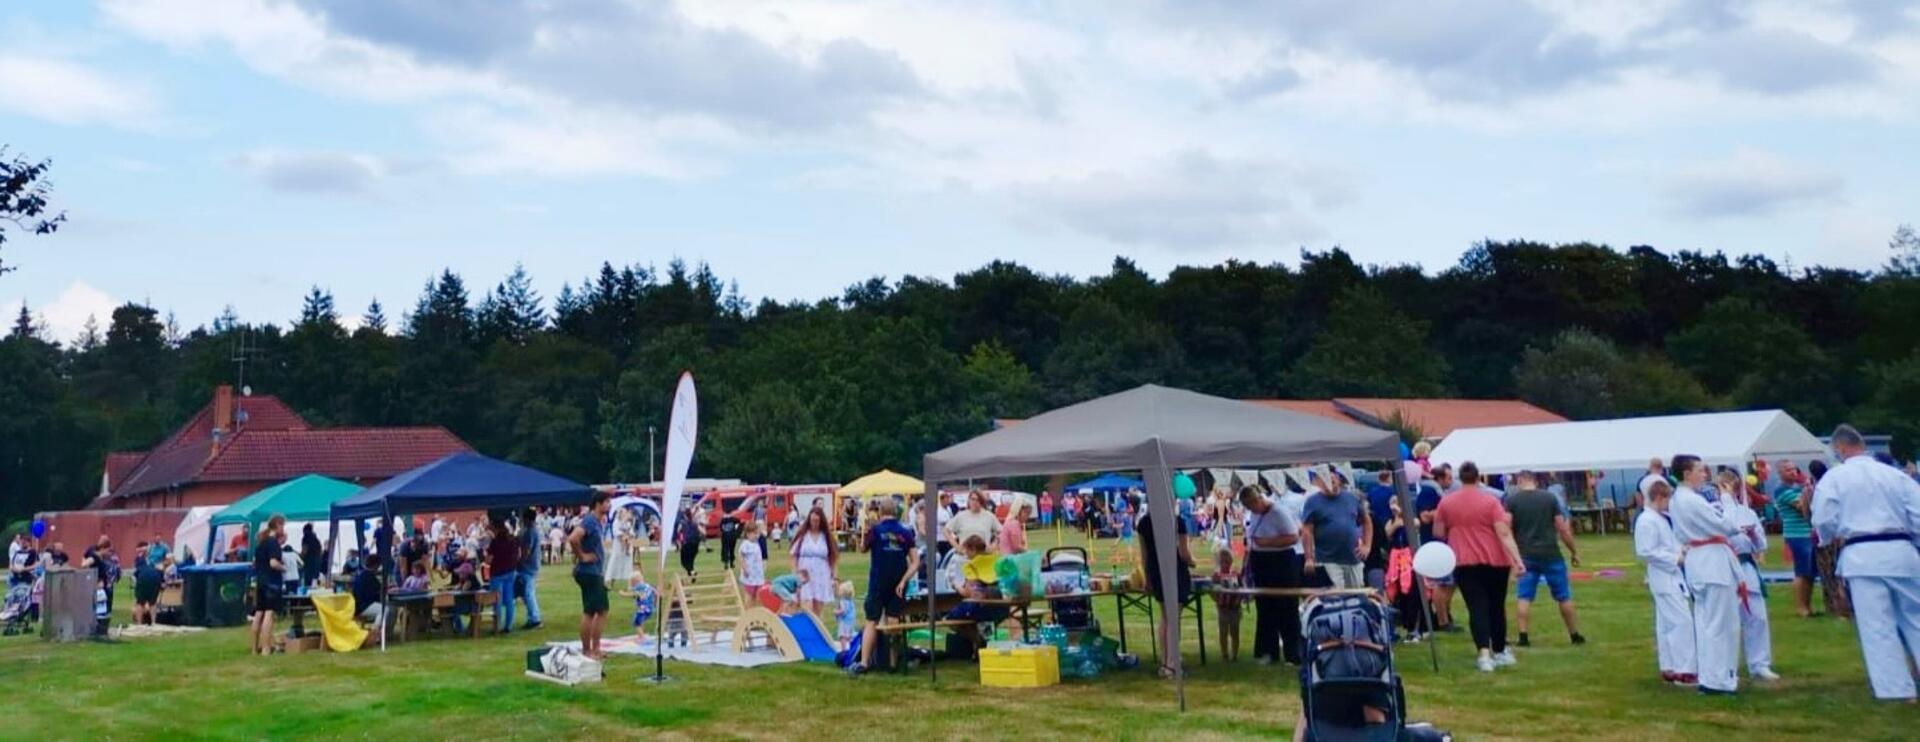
206	685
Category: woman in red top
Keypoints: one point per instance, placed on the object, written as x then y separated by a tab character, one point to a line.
1477	526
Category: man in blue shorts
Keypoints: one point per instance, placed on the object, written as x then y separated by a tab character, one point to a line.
892	559
1537	525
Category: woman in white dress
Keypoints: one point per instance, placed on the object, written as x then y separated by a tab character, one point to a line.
620	556
816	560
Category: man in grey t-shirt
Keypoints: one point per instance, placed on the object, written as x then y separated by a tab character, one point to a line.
1336	530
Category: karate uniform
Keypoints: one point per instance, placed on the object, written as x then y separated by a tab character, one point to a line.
1865	498
1755	631
1705	529
1656	546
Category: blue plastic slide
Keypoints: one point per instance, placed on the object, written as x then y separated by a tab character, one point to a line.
807	634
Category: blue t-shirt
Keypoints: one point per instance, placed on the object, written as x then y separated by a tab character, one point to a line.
1335	521
590	544
529	549
888	544
1426	501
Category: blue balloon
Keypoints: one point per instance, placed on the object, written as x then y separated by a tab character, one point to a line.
39	529
1405	453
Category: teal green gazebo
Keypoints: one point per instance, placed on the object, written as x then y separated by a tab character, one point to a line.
307	498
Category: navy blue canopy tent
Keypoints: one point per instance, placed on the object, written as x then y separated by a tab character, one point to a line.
1108	482
459	482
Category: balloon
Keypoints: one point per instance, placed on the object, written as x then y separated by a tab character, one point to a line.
39	529
1753	481
1434	560
1182	486
1405	452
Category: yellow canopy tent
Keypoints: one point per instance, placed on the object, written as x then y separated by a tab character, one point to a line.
883	483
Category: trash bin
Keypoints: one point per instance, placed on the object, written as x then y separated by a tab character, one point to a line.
67	605
226	595
193	596
214	594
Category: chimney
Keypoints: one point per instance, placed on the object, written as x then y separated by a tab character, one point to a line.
222	414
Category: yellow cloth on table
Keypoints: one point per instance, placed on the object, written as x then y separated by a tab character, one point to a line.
343	634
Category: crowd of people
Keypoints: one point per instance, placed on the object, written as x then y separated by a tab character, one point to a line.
1701	534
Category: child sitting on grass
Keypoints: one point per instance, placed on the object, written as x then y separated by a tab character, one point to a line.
844	626
644	597
1227	605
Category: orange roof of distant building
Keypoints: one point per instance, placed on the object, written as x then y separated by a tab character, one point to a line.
1436	418
1316	407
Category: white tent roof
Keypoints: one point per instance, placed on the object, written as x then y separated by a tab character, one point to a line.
1717	438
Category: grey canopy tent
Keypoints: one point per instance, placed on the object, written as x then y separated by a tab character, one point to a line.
1155	430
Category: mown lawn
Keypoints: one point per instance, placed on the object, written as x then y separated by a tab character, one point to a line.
206	686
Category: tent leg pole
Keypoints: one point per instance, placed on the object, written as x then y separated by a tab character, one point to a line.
1410	525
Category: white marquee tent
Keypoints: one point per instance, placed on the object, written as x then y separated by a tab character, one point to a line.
1731	438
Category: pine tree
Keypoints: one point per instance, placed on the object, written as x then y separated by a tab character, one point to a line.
228	321
89	338
442	316
1905	245
317	309
23	324
511	311
375	318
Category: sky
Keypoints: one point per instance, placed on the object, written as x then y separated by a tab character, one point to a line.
214	153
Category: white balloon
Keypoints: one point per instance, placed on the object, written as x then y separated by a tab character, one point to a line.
1434	560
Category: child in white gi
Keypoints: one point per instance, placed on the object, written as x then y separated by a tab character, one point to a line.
1655	545
1713	576
1749	547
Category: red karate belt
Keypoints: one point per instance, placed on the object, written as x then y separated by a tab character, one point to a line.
1740	580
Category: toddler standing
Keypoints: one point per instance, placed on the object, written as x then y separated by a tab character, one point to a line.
1227	605
843	621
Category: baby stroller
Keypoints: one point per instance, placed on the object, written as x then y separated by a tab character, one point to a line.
15	613
1348	687
1064	570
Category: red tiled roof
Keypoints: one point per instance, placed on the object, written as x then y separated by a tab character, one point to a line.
341	453
1315	407
1436	418
120	464
264	412
271	443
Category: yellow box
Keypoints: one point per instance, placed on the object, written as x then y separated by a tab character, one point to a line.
1020	667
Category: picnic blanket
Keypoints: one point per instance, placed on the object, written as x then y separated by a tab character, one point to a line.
337	625
700	654
142	631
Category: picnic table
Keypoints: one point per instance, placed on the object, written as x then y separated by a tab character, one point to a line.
417	610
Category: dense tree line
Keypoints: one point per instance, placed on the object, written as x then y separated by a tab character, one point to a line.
828	390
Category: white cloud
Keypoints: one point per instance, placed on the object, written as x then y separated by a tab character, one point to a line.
64	92
1750	183
69	310
1190	201
1066	118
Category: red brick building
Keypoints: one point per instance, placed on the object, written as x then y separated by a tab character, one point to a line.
232	447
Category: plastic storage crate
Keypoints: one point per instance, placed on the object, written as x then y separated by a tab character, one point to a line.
1020	666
